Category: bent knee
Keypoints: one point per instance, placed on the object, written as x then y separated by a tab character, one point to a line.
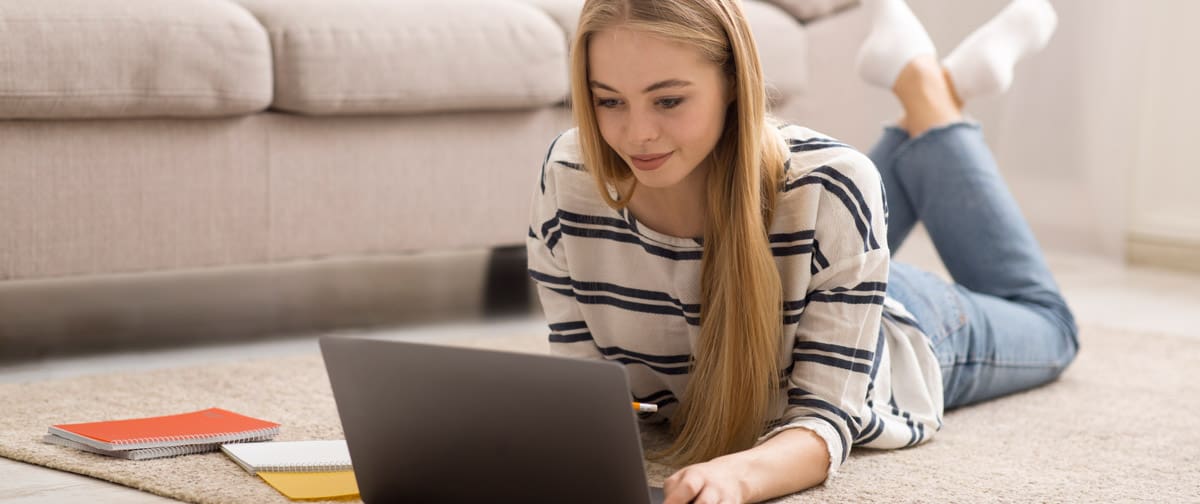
1069	340
1066	333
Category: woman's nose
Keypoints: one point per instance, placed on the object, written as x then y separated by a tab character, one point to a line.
643	128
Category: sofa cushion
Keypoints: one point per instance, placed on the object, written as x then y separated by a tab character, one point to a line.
811	10
134	58
563	12
782	50
393	57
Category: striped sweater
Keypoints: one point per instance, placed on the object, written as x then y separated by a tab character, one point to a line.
856	369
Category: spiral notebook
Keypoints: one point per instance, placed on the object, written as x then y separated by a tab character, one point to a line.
290	456
210	426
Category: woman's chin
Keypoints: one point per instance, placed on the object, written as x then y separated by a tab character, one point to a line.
656	179
654	182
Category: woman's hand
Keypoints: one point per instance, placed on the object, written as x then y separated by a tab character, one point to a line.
789	462
718	481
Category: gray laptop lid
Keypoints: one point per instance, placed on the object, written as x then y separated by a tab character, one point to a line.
428	423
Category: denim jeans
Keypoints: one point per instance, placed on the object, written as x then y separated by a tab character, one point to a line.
1002	326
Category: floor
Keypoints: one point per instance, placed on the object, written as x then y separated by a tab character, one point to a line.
1100	291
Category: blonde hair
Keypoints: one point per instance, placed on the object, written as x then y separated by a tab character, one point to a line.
735	373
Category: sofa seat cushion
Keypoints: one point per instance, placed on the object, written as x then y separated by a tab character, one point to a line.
354	57
65	59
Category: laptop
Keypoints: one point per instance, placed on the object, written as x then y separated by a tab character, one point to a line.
430	423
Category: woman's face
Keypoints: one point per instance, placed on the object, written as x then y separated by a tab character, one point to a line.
659	104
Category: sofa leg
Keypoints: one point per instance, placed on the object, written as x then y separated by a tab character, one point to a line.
508	288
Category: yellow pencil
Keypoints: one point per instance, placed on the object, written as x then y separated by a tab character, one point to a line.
644	407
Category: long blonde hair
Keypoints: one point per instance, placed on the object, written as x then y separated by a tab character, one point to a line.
735	374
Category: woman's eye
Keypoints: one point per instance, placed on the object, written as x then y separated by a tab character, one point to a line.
666	103
670	103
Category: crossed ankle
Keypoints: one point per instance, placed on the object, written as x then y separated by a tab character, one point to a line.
923	81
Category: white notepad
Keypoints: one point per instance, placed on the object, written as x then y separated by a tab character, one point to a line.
290	456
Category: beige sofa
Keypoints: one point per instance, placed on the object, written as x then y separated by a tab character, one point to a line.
218	169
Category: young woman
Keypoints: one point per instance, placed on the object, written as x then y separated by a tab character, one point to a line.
740	268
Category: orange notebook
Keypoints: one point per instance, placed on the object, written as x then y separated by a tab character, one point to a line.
213	425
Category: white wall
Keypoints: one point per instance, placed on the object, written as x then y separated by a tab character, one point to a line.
1074	133
1165	204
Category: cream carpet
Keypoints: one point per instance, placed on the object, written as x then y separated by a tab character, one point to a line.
1123	424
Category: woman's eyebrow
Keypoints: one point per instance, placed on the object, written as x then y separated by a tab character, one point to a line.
653	87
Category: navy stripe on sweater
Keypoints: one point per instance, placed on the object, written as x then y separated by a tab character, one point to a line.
900	319
844	298
688	255
549	279
801	397
878	355
568	164
549	224
818	258
806	234
792	250
645	357
553	240
660	398
873	431
811	144
570	338
880	287
568	326
831	361
547	160
856	353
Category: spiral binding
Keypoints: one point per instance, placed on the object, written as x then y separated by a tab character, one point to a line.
216	438
141	453
309	466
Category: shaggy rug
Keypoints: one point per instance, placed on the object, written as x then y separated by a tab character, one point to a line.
1120	425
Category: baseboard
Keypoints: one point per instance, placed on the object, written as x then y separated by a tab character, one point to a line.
1162	252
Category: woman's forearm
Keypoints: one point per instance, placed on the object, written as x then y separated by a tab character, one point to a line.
789	462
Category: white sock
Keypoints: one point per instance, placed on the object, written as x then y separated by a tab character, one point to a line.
983	63
896	38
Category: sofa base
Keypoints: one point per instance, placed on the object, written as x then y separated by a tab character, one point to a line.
71	316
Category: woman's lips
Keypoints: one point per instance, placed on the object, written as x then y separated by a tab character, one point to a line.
651	162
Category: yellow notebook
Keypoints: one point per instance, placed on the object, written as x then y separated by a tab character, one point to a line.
313	485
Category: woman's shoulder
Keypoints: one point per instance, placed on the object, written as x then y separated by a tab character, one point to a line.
564	150
814	156
833	190
566	180
563	161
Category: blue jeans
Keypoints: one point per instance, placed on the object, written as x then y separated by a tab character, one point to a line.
1002	326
